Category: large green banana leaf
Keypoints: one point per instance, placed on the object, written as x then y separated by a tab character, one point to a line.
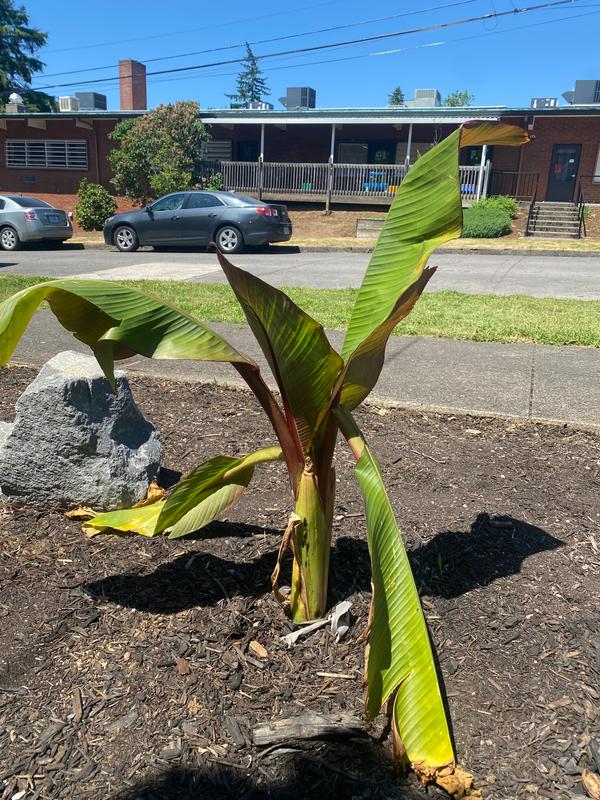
126	320
198	498
303	362
426	212
117	322
400	660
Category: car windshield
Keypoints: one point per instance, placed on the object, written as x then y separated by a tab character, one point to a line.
241	200
28	202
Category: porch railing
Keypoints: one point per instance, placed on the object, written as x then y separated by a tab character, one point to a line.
520	185
330	181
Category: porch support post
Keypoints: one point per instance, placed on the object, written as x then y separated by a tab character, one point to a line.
330	170
261	159
486	180
408	146
481	171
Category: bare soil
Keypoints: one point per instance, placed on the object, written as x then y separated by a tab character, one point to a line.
126	669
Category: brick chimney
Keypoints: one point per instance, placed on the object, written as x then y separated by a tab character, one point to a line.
132	83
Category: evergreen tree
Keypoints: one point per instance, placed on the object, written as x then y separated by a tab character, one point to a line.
18	64
396	97
251	84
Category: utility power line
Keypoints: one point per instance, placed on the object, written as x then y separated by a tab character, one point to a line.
273	38
385	52
333	45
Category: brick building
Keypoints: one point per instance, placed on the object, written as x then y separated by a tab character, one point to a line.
346	155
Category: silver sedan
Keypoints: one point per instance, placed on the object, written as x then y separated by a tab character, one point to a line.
25	219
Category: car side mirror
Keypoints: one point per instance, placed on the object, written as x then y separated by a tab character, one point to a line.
148	209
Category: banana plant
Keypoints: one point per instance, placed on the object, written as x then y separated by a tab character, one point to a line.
318	390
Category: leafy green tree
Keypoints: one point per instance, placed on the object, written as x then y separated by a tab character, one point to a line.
159	152
251	84
459	99
396	97
18	64
319	389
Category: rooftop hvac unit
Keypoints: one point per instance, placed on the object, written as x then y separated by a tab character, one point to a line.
299	97
260	105
425	98
91	101
585	93
544	102
68	104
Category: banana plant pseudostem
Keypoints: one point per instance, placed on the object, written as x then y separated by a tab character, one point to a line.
319	388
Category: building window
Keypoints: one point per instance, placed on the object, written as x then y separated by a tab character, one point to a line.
47	153
596	178
219	150
353	153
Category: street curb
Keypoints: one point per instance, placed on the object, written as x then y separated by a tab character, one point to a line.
483	251
374	400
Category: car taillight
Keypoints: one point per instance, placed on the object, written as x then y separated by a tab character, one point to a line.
30	215
267	212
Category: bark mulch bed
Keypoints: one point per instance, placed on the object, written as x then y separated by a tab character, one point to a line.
126	669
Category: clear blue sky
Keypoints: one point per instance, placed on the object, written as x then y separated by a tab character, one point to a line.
502	61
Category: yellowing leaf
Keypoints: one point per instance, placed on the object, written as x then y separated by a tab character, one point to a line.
155	493
132	520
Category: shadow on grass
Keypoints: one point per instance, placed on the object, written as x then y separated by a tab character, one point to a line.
357	768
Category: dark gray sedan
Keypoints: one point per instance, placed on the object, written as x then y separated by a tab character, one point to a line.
199	218
26	219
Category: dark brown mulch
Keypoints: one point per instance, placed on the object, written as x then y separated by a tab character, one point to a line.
125	668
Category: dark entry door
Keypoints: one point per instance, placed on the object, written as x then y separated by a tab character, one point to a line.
563	173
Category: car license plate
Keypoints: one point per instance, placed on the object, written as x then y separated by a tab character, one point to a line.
53	218
286	230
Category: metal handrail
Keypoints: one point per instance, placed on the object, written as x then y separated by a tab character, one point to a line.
530	212
580	202
514	183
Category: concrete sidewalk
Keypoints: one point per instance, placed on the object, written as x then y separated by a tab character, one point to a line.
527	381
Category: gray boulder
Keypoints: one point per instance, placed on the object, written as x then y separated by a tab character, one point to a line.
74	442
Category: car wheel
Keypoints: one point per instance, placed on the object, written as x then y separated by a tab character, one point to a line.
9	239
126	239
229	239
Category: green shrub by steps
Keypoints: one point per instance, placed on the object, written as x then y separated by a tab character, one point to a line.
94	205
501	202
483	222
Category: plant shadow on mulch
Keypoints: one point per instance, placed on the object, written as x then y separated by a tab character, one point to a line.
451	564
347	770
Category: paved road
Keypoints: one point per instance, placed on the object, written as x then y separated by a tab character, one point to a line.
539	276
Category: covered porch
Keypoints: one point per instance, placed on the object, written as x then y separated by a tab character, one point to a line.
336	156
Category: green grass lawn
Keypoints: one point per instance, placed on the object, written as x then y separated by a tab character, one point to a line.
484	318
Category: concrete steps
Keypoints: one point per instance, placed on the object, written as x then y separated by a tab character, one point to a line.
554	221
